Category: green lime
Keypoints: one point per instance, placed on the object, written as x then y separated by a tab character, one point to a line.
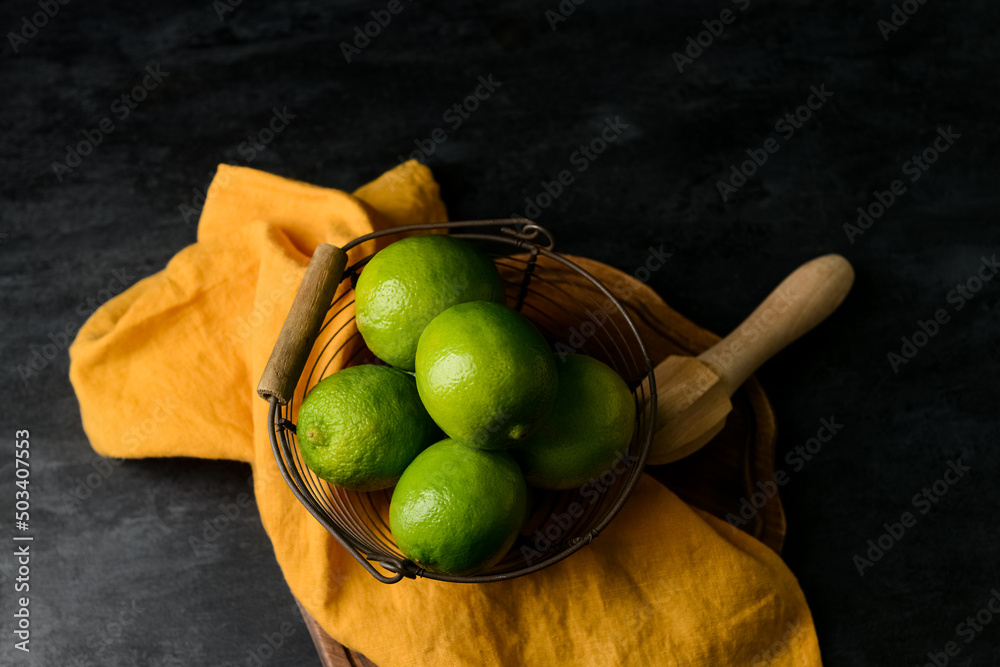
485	374
457	510
410	282
361	427
590	424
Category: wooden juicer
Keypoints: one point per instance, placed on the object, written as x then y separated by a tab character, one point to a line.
693	393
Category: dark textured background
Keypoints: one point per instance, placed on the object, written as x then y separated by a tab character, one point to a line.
119	210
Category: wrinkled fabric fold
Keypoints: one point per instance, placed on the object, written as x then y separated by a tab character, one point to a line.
179	354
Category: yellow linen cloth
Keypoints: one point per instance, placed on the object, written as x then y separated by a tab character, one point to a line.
170	368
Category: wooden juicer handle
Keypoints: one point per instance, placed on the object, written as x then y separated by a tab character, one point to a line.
805	298
693	393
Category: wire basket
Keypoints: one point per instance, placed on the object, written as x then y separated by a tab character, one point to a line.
571	308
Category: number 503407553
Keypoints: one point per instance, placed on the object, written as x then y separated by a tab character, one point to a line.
22	453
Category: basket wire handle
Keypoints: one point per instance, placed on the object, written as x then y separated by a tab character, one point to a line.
295	342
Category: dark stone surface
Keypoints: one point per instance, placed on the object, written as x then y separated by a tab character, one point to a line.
119	210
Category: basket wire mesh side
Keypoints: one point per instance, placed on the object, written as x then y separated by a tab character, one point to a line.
575	312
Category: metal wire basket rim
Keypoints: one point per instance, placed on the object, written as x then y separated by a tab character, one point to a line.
529	231
521	239
308	501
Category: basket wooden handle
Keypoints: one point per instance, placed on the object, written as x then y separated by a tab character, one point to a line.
291	350
803	299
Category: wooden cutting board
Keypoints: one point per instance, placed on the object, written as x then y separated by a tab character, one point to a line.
715	478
